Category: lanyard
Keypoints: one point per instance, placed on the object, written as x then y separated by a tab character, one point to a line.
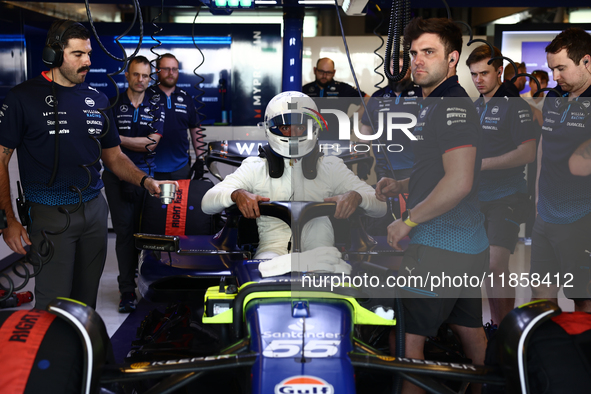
483	113
567	110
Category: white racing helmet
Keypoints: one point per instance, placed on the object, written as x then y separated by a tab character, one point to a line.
291	108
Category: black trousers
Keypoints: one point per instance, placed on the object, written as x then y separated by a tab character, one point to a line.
125	203
79	253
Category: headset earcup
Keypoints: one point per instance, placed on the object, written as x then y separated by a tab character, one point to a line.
53	55
48	56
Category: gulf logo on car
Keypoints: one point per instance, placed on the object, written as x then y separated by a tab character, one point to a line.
304	385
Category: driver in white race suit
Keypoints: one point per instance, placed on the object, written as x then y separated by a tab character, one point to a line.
291	168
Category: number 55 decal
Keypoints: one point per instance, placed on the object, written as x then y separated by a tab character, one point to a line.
316	348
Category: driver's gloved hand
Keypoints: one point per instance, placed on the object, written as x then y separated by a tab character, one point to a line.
323	259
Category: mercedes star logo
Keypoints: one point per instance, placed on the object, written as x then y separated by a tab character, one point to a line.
50	100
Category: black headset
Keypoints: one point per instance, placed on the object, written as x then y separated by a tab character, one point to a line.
53	52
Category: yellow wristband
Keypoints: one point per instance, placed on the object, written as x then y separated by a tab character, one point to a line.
410	223
406	219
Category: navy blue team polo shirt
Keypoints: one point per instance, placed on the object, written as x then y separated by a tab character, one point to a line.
564	198
27	124
447	121
506	123
385	100
180	115
135	122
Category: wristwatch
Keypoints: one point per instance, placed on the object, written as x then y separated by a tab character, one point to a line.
406	219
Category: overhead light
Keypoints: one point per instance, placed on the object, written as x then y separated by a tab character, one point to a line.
580	16
11	37
354	7
263	2
199	40
316	2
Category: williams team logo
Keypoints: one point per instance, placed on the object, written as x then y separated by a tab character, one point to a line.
89	101
50	100
180	99
494	110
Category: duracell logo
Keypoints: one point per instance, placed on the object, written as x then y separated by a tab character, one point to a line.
23	328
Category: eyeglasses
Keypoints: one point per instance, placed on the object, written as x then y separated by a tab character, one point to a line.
173	70
322	72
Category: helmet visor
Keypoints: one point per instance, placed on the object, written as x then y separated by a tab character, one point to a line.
299	122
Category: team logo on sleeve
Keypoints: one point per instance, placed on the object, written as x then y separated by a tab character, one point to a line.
89	101
123	108
50	100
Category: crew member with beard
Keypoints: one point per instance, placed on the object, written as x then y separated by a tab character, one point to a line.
172	154
60	171
402	96
140	129
331	94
